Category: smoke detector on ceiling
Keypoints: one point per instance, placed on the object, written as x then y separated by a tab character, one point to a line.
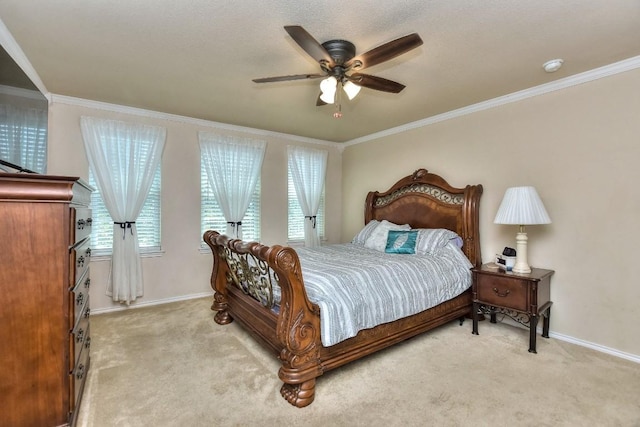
553	65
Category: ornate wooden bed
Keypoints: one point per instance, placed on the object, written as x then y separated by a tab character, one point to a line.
243	273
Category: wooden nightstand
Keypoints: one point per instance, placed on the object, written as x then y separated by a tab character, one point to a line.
522	297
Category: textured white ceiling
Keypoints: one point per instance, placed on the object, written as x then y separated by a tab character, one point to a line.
197	58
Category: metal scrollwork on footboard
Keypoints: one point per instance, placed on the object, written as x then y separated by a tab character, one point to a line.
252	275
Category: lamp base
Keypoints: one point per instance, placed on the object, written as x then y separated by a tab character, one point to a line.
526	270
521	266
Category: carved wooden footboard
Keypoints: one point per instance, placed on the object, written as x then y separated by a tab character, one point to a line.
244	275
243	270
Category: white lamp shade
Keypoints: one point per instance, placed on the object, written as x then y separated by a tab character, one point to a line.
521	206
351	89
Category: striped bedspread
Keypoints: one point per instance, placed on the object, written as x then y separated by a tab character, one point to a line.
358	288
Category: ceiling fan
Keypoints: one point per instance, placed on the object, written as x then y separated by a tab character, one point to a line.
341	67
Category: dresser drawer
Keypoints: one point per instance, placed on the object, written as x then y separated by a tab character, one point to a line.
79	337
81	223
80	256
502	292
79	299
78	377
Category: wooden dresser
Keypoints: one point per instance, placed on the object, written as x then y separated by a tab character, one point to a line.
45	223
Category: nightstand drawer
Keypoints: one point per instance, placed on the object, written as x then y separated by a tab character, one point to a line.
502	292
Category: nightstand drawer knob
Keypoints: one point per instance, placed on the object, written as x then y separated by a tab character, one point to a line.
501	294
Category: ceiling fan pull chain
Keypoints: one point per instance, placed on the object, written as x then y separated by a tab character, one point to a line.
338	113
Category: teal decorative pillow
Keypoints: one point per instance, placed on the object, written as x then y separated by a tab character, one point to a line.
377	239
401	242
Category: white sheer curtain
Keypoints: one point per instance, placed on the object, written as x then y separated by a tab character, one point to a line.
233	167
308	170
123	158
23	136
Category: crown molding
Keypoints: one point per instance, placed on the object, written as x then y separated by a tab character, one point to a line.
20	92
13	49
115	108
587	76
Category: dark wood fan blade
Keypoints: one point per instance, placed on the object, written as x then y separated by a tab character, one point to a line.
286	78
376	83
309	44
385	52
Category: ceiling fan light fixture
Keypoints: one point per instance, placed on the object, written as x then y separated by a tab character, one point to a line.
328	98
351	89
328	89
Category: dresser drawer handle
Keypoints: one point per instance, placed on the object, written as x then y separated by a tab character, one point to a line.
87	283
80	336
79	299
89	222
80	262
87	312
502	295
81	224
87	343
80	373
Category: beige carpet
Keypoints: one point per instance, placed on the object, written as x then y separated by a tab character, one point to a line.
172	365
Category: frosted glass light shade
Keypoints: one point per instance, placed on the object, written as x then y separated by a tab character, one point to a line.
328	97
522	206
351	89
328	89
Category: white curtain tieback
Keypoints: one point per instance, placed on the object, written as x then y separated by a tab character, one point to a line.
124	225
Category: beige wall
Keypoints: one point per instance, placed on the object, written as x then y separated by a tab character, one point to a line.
580	148
182	270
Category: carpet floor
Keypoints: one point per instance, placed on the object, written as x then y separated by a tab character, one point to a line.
172	365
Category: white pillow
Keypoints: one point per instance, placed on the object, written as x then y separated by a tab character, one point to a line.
430	240
378	238
363	234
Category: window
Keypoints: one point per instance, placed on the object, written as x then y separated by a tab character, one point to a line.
23	137
230	173
147	224
212	218
295	215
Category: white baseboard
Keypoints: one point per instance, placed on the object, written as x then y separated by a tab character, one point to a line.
149	303
577	341
597	347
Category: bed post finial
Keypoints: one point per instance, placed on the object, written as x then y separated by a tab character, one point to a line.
419	174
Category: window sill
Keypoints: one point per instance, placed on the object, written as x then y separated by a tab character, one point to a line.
143	254
291	243
297	243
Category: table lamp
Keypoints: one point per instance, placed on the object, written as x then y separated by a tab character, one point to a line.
521	206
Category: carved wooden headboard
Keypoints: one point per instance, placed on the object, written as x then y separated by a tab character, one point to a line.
426	200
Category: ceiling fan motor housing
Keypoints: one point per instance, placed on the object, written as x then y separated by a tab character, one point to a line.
340	50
